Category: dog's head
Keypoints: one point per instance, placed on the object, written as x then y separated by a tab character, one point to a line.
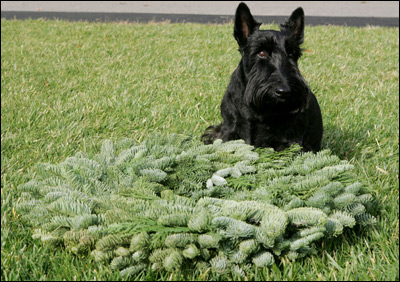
269	61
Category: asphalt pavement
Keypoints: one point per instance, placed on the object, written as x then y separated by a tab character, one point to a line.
350	13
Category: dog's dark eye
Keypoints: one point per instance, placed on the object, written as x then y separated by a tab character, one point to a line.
262	54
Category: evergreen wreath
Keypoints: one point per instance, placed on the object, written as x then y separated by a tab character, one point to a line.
172	202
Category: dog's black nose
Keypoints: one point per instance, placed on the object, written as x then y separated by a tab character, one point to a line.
282	91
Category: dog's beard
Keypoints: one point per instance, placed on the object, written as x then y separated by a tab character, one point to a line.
260	96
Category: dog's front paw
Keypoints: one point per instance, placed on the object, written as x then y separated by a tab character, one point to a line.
212	133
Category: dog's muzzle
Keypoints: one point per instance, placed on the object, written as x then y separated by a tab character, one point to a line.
282	91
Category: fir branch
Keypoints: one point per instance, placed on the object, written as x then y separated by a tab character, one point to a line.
172	200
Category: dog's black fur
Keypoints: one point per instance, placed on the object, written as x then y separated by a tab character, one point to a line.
268	102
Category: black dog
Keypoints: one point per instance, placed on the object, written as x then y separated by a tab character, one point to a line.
268	103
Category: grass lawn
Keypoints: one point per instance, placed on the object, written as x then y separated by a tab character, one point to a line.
67	86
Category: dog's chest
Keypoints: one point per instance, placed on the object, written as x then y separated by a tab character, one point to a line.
278	135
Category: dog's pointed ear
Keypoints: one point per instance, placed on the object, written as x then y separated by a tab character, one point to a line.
245	24
294	26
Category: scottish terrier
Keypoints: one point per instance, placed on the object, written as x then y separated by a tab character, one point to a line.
267	102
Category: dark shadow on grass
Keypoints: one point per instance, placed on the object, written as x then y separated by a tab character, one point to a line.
342	142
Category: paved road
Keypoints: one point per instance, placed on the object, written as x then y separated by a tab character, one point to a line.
352	13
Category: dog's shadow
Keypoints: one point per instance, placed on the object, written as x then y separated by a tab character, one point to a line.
344	143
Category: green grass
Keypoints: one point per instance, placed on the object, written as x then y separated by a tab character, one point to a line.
67	86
